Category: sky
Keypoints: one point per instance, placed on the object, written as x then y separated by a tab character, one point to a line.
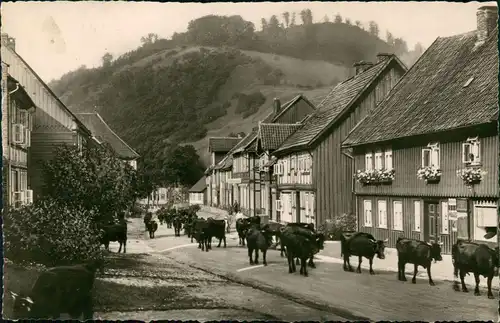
57	37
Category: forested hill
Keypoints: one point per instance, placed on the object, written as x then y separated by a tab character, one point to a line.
218	78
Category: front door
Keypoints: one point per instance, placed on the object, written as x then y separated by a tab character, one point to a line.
431	220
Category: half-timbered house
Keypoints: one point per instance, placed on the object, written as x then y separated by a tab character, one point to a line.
314	176
52	124
218	148
246	159
427	158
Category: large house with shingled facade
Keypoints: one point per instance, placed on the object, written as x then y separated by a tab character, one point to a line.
313	176
439	125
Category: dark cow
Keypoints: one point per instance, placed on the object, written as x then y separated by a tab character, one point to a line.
300	243
200	232
189	227
274	229
361	244
147	217
418	253
258	239
115	232
243	225
177	223
63	289
476	258
217	229
309	226
152	227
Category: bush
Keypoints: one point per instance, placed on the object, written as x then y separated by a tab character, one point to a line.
50	233
333	228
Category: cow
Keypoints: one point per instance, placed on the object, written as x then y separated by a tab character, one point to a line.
300	243
361	244
177	223
63	289
476	258
258	239
189	226
274	228
115	232
200	233
418	253
217	229
243	225
152	227
309	226
147	217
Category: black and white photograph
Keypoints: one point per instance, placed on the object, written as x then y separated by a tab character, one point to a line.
250	161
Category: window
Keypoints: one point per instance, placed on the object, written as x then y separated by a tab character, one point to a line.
397	223
471	151
293	162
486	216
388	159
382	214
368	161
416	215
378	161
430	156
367	212
445	225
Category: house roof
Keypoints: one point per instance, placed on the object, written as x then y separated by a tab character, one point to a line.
453	85
20	93
245	142
222	144
272	135
339	100
200	186
271	161
102	132
225	163
250	144
64	107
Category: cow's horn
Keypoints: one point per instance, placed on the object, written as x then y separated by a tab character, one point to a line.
440	243
29	300
14	295
386	240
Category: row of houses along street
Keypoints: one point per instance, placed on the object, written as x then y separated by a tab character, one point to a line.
409	153
35	122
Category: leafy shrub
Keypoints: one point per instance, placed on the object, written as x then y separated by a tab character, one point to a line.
333	228
248	104
50	233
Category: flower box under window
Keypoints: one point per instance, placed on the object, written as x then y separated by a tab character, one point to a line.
429	174
375	176
471	176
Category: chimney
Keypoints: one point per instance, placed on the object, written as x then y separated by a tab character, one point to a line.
10	42
383	56
487	17
277	106
361	66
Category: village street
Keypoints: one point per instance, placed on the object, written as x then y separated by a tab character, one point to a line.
377	297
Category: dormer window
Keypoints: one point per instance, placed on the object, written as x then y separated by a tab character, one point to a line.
471	151
431	156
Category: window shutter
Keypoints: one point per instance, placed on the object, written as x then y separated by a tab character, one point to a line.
426	157
368	161
388	159
435	157
477	152
466	150
416	213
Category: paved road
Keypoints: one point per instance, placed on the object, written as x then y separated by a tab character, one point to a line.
378	297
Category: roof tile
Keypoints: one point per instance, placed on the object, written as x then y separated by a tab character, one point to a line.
101	131
272	135
222	144
200	186
434	96
338	100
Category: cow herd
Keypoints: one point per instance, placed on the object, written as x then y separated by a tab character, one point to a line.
299	242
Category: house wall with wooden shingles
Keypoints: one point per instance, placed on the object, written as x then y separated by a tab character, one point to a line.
408	189
332	170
